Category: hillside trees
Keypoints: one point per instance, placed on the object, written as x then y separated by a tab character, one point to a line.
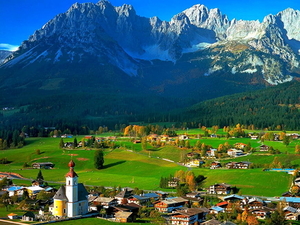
140	131
273	108
297	149
11	139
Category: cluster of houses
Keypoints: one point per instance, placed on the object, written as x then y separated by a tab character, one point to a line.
218	165
72	201
257	206
194	159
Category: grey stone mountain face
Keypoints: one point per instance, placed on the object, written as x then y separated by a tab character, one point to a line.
119	36
3	55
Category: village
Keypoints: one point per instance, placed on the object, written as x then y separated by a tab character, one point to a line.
219	203
73	201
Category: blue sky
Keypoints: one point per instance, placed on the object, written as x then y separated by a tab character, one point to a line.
20	18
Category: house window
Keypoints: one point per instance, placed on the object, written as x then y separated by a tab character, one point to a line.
69	182
64	210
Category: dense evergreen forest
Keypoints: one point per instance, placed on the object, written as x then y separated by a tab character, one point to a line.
275	108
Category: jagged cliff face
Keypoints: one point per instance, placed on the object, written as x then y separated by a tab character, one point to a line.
118	36
3	55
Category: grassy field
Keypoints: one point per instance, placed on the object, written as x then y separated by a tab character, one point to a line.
250	182
4	212
131	166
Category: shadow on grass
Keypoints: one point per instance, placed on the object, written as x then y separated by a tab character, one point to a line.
153	149
113	164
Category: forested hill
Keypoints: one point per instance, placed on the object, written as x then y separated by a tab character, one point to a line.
268	108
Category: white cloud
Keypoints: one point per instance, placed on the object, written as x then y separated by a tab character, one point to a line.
8	47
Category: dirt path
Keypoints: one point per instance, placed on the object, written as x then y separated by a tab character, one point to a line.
7	222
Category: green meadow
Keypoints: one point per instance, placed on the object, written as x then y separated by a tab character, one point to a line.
130	166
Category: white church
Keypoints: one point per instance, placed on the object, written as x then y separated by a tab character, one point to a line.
72	199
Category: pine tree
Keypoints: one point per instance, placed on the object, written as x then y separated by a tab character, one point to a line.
75	143
61	143
99	159
40	177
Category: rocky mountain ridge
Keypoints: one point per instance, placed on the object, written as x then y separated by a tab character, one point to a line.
3	55
118	36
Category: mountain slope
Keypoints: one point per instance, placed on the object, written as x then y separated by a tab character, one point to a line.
3	55
269	108
110	55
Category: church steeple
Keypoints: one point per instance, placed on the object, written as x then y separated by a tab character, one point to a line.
71	173
72	189
71	200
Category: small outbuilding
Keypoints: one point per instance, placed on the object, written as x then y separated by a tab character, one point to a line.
43	165
28	216
12	216
124	217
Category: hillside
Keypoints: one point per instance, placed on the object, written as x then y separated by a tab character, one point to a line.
98	64
130	166
268	108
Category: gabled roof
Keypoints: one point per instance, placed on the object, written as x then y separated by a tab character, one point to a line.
290	199
228	223
128	207
35	188
287	193
133	205
15	188
222	204
124	194
140	198
174	200
212	222
29	214
290	209
256	200
161	193
245	162
61	194
233	196
223	184
217	208
82	192
121	214
191	211
104	199
43	163
151	195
